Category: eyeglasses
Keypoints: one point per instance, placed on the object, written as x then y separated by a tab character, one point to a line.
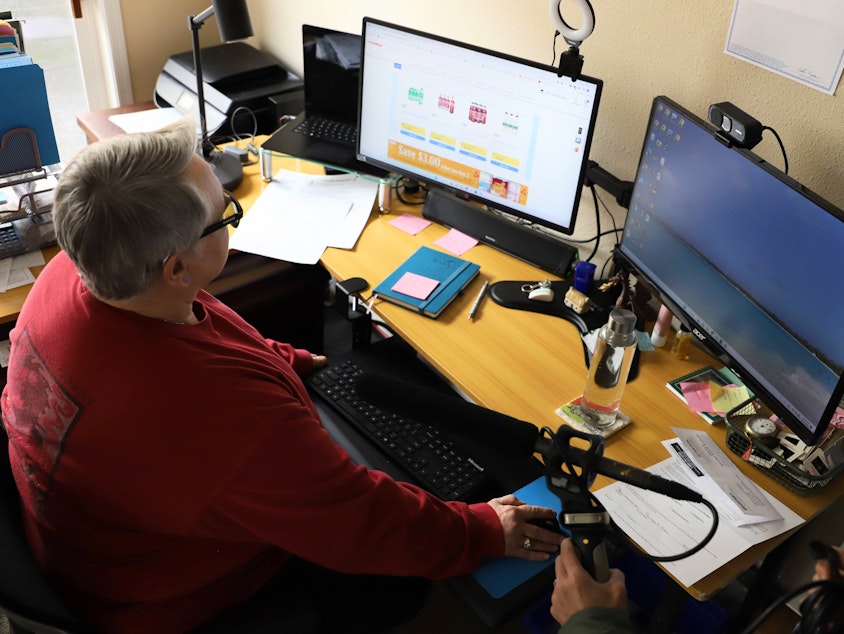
232	215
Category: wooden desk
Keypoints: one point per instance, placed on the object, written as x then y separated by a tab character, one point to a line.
12	300
526	365
97	125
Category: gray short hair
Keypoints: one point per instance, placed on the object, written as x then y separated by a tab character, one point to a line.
124	204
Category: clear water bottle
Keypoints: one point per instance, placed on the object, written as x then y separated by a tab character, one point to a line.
609	368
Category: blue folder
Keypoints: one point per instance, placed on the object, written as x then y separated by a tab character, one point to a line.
24	105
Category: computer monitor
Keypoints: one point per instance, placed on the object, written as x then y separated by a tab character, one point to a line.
749	259
490	127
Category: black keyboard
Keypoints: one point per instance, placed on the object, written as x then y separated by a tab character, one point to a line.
329	130
11	240
434	460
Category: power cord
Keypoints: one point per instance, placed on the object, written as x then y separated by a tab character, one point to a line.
782	147
250	150
822	611
404	186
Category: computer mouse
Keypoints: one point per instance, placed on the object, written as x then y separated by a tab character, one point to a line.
542	294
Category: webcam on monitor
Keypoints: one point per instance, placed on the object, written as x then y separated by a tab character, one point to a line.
740	128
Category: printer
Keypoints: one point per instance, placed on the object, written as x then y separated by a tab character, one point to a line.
239	81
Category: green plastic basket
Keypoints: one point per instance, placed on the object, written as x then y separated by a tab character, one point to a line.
764	459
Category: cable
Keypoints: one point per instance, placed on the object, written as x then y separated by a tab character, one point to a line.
250	145
615	228
237	137
235	133
399	186
583	483
683	555
782	147
597	223
588	240
818	612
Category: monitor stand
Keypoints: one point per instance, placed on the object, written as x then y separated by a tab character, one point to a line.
526	244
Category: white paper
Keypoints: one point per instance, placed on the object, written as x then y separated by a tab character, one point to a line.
5	353
146	120
738	499
15	271
298	216
5	270
803	40
346	188
19	277
28	260
664	526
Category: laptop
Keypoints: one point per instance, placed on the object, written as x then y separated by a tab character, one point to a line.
326	131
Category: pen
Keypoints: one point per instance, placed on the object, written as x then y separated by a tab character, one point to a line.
478	299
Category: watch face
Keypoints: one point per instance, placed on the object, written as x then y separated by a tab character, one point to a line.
760	427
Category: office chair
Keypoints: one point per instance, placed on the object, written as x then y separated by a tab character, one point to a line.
28	602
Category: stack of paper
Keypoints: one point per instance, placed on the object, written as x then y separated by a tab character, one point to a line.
299	215
663	526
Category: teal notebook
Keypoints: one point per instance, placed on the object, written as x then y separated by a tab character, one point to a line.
427	281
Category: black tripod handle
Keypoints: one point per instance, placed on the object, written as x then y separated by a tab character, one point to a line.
589	542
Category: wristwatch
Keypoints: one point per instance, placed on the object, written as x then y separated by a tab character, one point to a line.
760	427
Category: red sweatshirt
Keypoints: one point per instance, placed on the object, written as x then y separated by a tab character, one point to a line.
167	471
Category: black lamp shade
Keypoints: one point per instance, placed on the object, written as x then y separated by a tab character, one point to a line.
232	19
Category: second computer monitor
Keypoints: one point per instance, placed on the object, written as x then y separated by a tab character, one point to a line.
508	132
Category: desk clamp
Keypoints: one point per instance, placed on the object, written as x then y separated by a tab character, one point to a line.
349	304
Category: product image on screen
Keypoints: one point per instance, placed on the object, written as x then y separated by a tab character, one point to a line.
747	258
491	127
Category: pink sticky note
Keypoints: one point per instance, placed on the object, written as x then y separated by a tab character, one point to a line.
456	242
697	395
417	286
410	223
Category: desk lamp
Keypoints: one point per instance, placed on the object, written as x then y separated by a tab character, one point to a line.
234	24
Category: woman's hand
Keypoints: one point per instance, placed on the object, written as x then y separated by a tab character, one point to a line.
522	539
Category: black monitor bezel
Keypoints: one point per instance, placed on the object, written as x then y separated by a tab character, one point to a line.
772	402
493	203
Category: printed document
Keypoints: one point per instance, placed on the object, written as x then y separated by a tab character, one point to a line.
738	499
803	40
298	216
663	526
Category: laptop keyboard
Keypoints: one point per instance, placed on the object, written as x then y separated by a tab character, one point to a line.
434	460
328	130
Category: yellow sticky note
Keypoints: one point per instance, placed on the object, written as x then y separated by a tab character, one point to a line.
715	391
730	397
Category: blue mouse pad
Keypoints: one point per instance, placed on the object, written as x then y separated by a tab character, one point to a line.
500	576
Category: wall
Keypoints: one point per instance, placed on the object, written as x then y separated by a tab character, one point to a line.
667	48
155	29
